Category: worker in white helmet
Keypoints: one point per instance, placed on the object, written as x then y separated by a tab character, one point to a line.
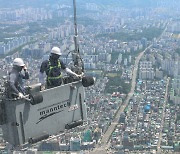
52	68
16	78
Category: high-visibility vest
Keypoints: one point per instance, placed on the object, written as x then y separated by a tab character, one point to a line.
51	68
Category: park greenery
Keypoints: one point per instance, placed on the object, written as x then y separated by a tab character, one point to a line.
116	84
35	28
9	31
87	21
148	33
18	49
54	22
10	28
114	57
178	51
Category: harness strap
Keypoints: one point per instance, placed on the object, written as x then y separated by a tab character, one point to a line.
49	78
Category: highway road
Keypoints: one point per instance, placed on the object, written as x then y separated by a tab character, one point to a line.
102	149
105	139
163	116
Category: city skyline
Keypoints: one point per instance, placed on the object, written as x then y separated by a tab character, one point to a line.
131	47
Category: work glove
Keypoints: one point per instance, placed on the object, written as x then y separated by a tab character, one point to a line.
25	68
20	95
82	74
43	87
79	76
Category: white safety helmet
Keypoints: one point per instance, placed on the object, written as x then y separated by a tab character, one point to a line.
18	62
56	51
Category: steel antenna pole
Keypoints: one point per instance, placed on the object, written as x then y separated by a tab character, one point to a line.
78	63
75	28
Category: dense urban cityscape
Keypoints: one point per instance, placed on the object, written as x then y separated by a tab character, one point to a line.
132	51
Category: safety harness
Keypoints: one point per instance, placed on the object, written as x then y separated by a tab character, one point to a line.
51	69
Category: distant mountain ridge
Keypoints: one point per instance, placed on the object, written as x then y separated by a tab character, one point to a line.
133	3
122	3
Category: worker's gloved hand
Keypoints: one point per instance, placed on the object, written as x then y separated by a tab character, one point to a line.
82	74
25	68
43	87
20	95
78	76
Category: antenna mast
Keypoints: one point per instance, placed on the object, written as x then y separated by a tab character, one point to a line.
75	28
78	64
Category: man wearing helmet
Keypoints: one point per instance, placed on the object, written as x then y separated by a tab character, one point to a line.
52	68
16	77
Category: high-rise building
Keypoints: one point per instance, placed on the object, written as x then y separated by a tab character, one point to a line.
144	42
64	147
120	58
125	62
2	49
75	144
49	146
159	74
87	136
130	58
122	118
